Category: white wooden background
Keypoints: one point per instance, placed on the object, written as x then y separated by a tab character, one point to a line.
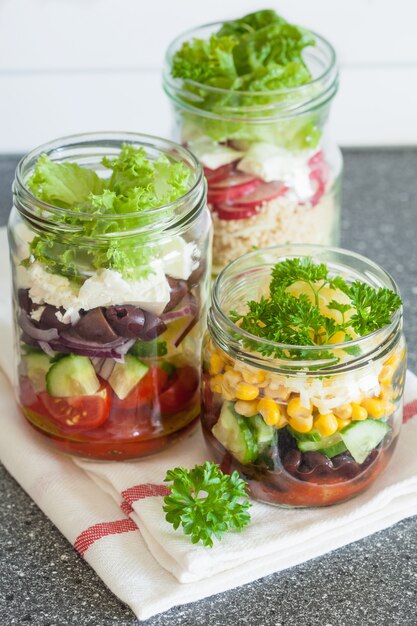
78	65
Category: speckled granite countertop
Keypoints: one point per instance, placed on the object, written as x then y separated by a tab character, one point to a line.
372	582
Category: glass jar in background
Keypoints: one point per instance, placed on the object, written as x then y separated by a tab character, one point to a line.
304	428
273	173
111	258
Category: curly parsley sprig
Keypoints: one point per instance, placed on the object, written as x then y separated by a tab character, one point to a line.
206	502
298	321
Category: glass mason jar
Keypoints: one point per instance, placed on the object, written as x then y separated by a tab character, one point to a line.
360	384
273	173
108	367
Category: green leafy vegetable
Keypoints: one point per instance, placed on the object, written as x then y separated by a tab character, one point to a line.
258	53
104	206
63	184
206	502
298	320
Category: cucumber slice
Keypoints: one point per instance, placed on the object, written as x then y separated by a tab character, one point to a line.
361	438
72	376
313	435
125	376
264	435
334	449
324	442
37	365
233	432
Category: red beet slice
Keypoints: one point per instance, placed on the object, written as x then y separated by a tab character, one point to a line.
237	185
263	193
218	174
232	212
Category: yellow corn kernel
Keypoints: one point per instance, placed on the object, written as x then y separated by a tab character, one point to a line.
390	408
278	392
254	377
248	409
359	413
283	419
246	392
229	383
375	407
388	371
326	424
342	423
301	424
343	412
269	411
216	383
338	337
296	409
387	393
216	364
232	378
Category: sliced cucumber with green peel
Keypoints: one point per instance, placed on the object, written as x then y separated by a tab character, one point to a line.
264	434
37	365
72	376
361	438
312	435
125	376
330	446
234	433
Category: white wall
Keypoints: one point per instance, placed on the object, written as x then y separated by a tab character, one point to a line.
77	65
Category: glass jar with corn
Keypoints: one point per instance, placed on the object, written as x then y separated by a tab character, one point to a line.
303	373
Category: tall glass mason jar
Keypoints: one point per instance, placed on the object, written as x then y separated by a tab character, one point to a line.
273	171
108	359
357	385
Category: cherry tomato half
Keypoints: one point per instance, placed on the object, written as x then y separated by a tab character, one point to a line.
149	387
181	390
78	413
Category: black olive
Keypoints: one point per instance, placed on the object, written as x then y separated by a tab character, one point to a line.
126	320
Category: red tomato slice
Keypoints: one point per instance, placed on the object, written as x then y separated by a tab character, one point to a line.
78	413
148	387
181	391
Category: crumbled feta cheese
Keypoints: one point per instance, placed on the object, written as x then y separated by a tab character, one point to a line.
212	154
107	287
269	162
104	288
36	315
179	258
45	287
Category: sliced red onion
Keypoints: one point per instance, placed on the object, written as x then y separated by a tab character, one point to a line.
106	368
30	329
178	290
188	307
46	348
124	348
185	331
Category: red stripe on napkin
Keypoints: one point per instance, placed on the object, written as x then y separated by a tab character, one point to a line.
96	532
139	492
410	410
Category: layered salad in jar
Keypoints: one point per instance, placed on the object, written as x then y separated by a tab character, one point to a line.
251	97
303	381
109	300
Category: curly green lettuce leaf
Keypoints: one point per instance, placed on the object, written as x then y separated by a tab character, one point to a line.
63	184
260	53
118	204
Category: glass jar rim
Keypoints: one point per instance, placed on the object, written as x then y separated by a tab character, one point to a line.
218	319
28	203
328	75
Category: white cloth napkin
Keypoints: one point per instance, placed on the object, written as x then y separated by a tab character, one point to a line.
112	512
